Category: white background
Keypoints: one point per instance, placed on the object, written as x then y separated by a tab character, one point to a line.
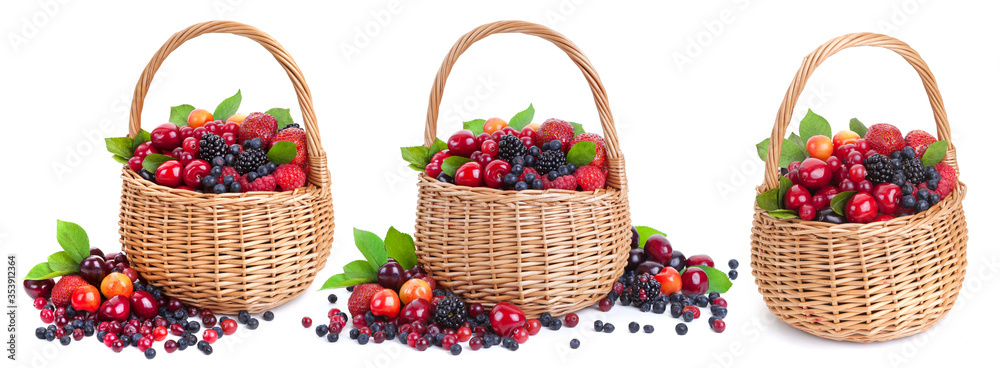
688	131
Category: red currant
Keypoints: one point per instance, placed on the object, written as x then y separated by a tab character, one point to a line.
533	326
448	341
464	334
422	344
40	303
520	335
210	336
718	325
605	304
228	326
720	302
306	321
160	333
411	339
170	346
572	320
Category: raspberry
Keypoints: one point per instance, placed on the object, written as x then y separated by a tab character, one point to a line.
590	178
948	179
555	129
546	183
262	184
528	170
289	177
566	182
885	138
600	158
919	140
226	171
360	301
297	136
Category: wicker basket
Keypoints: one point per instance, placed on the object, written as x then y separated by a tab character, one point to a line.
229	252
861	282
553	251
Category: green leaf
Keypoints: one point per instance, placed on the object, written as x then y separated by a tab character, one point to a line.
838	201
582	153
341	280
438	146
179	114
154	160
783	214
935	153
416	155
140	138
282	152
577	129
371	246
451	164
228	107
645	232
283	116
789	152
361	269
73	239
400	247
42	271
62	261
415	167
783	185
768	201
794	138
718	281
858	127
523	118
120	146
813	125
120	159
476	126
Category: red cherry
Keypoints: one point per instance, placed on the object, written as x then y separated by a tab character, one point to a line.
857	173
433	169
232	128
484	159
114	309
135	163
228	326
495	172
887	196
210	336
528	141
861	208
796	196
169	173
885	217
694	281
497	135
834	163
862	145
533	326
824	195
190	144
807	212
199	132
528	132
482	138
490	147
658	249
462	143
520	335
511	131
855	158
144	149
47	316
185	132
505	317
847	185
794	165
814	173
700	260
165	137
195	171
469	174
865	186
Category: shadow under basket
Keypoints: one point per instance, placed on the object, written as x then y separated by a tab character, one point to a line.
861	282
229	252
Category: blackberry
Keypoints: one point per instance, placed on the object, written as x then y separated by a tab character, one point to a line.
644	288
211	146
250	160
450	312
510	147
913	168
879	169
550	161
292	125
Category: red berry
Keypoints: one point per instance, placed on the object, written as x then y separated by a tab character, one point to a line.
862	145
433	169
464	334
572	320
533	326
135	163
887	195
209	336
847	185
470	174
144	149
834	163
186	132
40	303
865	186
590	178
814	173
169	173
857	173
796	196
47	316
718	325
505	317
462	143
170	346
855	158
448	341
720	302
694	281
484	159
230	127
700	260
605	304
306	322
422	344
885	217
861	208
159	333
509	130
289	177
165	137
194	171
693	309
190	145
528	141
411	339
475	343
794	165
520	335
490	147
808	211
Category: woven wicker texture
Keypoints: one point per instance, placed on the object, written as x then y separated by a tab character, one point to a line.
550	251
861	282
229	252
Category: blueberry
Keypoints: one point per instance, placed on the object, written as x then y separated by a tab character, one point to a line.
645	307
574	343
261	170
193	326
455	349
218	161
517	161
65	340
529	161
517	170
553	175
923	194
207	350
513	346
908	189
733	274
895	154
537	184
255	143
235	188
555	325
659	307
322	330
598	326
40	333
354	333
647	328
216	171
271	166
899	178
150	353
520	185
509	180
218	331
933	184
219	188
908	201
934	199
230	159
332	298
922	205
682	329
100	335
633	327
534	151
235	149
555	145
228	179
182	344
734	264
609	328
701	301
688	316
564	170
362	339
909	153
571	167
896	163
332	337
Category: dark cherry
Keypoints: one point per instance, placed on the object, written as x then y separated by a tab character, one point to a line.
475	309
208	320
174	304
700	260
39	288
192	311
390	275
635	257
143	304
635	238
92	269
650	267
658	249
694	281
505	317
114	309
678	261
97	252
121	258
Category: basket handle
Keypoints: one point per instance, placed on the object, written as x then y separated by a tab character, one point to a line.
314	144
615	161
813	60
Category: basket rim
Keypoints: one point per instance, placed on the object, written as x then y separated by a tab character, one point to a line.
129	175
510	192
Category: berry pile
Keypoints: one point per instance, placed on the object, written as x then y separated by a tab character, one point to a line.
242	153
848	178
659	279
105	297
539	157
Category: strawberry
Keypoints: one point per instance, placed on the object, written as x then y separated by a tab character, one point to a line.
599	159
565	182
590	178
555	129
885	138
289	177
297	136
361	299
948	179
258	125
63	291
919	140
